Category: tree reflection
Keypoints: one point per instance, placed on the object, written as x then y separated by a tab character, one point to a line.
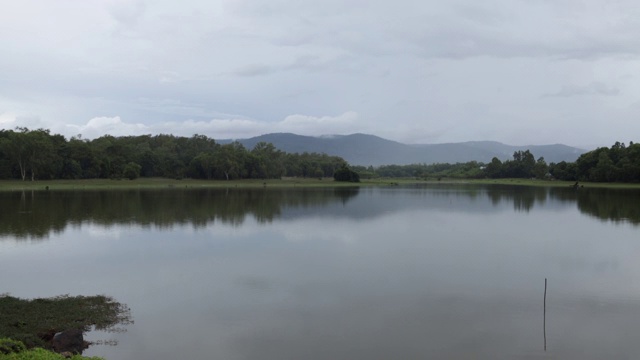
522	197
617	205
35	214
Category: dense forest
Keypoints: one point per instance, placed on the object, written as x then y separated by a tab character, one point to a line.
523	165
39	155
620	163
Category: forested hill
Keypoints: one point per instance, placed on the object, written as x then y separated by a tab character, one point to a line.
362	149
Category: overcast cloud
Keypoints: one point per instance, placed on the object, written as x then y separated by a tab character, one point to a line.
515	71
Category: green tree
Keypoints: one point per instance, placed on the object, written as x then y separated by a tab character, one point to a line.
604	169
204	165
346	174
494	168
540	169
522	165
268	161
563	171
33	152
16	146
230	161
132	171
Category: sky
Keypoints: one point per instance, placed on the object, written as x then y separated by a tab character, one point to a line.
521	72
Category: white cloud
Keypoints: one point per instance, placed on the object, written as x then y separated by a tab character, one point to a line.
313	125
99	126
412	71
7	120
215	128
10	121
347	122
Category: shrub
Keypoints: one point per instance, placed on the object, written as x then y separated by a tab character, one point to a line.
132	171
8	346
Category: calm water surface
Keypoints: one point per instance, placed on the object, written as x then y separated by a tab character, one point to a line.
447	272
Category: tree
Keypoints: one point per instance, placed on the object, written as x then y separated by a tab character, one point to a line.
15	146
586	162
229	160
204	164
32	151
540	169
603	171
346	174
494	168
41	154
268	161
319	173
522	165
132	171
563	171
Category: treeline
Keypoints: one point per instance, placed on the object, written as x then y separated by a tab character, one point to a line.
523	165
466	170
39	155
620	163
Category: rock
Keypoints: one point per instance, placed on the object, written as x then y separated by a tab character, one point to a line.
66	354
69	341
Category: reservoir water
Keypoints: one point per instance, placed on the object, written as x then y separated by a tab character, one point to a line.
416	272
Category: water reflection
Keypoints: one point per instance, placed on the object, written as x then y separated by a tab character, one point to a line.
523	198
610	204
444	272
36	214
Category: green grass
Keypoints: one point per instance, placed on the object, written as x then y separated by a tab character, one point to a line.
15	350
548	183
34	321
510	181
162	183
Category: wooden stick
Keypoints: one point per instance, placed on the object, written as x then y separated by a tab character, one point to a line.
544	315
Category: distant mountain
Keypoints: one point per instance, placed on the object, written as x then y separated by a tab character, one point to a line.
362	149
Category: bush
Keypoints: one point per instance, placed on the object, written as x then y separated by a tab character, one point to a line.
8	346
132	171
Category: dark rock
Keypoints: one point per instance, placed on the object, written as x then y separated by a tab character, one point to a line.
48	335
69	341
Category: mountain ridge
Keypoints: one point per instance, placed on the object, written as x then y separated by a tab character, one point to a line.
366	149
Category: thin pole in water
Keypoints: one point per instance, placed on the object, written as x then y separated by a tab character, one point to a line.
544	315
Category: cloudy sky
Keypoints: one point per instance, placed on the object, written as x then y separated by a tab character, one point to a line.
425	71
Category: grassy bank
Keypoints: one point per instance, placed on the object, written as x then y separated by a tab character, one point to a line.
31	324
15	350
550	183
162	183
514	182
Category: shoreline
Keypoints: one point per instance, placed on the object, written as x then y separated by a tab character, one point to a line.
163	183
